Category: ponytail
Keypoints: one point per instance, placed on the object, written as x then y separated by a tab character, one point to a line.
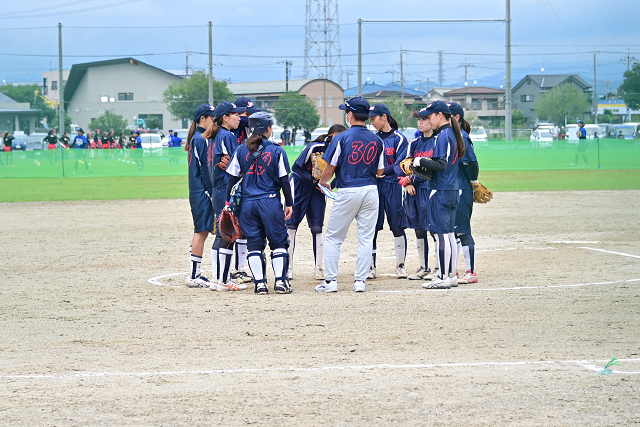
465	126
333	130
456	130
213	128
392	122
253	142
192	130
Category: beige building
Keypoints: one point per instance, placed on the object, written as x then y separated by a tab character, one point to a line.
325	94
127	87
16	116
51	85
486	102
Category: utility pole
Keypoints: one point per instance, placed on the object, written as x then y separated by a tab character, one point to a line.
210	64
348	73
441	68
187	64
420	84
508	131
401	78
629	59
359	57
466	69
60	83
287	65
595	87
606	94
427	85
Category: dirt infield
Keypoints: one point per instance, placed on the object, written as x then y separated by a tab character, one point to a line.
87	339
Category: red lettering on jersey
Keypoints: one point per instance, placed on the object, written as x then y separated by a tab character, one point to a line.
266	159
390	151
210	154
423	153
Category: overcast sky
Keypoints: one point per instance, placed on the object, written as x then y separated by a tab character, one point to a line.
557	35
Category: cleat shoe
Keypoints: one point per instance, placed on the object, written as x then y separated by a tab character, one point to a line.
290	273
401	272
372	273
419	274
230	286
433	275
240	276
359	286
468	277
198	282
453	280
261	288
327	286
318	273
438	283
283	287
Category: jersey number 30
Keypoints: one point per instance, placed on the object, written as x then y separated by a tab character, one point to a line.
367	154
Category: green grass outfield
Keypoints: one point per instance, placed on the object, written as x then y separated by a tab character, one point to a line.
170	187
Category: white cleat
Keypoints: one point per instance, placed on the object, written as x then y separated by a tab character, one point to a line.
453	280
198	282
318	273
372	273
230	286
438	283
401	272
468	277
433	275
240	276
359	286
327	286
419	274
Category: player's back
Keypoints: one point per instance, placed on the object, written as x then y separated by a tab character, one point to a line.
446	148
464	173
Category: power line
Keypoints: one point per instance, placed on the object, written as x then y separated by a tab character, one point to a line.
71	11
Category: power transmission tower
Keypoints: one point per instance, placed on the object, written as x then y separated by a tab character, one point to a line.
441	68
322	54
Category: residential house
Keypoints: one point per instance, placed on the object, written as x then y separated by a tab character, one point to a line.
16	116
486	102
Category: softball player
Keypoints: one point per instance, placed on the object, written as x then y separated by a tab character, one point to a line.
200	190
389	192
582	144
417	197
137	147
444	196
241	131
467	173
265	170
357	158
52	143
80	143
309	201
222	146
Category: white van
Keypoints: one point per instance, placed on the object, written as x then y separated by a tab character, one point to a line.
572	131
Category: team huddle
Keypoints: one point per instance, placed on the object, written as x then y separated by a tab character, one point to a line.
238	178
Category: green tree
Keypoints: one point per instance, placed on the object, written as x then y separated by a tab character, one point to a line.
28	94
560	102
518	118
152	123
403	116
607	115
629	90
297	112
183	97
109	121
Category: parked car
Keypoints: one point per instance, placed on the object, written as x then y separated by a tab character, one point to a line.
182	134
572	132
478	135
541	137
636	129
151	141
35	141
606	130
19	143
628	131
409	133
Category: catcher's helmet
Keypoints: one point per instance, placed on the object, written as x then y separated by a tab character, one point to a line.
260	121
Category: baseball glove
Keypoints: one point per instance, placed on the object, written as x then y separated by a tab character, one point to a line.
317	165
405	165
224	161
229	226
480	193
420	171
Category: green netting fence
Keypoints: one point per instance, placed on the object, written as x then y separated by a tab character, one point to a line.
492	155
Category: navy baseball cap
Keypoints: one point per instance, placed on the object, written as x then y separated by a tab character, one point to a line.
434	107
202	110
456	108
79	130
580	121
170	130
226	107
260	121
378	110
356	105
247	104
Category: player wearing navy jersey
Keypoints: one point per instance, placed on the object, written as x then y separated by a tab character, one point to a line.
417	197
389	192
174	143
264	168
467	174
356	156
309	201
137	150
80	143
444	197
200	190
582	143
241	131
223	144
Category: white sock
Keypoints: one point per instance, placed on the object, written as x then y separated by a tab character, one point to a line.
224	263
447	256
400	243
420	246
454	253
214	264
279	262
195	266
459	246
467	258
292	244
319	239
241	254
254	259
437	251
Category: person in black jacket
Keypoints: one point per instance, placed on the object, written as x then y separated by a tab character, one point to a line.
52	144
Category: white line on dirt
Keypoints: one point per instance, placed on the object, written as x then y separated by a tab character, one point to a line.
611	252
587	364
582	242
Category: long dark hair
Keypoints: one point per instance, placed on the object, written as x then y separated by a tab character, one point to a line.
213	128
253	142
335	129
456	130
192	131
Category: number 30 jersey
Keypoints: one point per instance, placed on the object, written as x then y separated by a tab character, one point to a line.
357	155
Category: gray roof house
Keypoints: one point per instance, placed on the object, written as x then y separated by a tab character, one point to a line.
16	116
528	90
